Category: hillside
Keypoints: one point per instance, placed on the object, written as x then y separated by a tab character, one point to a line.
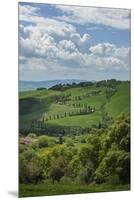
33	85
81	107
120	102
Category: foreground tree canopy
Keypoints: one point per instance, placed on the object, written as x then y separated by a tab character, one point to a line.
103	156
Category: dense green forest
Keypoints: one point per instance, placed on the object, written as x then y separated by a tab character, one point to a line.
75	138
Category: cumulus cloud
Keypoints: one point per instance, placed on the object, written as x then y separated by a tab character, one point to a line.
108	55
116	18
42	24
103	49
52	40
52	45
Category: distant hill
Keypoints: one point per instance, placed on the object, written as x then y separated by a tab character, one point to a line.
32	85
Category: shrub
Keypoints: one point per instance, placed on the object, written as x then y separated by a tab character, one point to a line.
35	145
86	175
22	148
57	169
69	142
30	167
83	140
32	135
43	141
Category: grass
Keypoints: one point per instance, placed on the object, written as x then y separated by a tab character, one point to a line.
79	120
45	102
64	188
38	93
120	102
60	109
96	100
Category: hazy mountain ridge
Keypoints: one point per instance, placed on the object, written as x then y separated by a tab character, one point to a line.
32	85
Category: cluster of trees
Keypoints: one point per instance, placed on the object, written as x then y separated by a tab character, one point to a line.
103	158
82	111
110	92
72	113
89	94
112	83
41	88
53	130
63	87
62	99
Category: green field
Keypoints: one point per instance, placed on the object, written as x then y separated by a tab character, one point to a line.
120	102
63	188
82	121
37	105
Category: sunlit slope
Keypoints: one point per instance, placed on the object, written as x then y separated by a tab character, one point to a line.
120	101
80	120
37	104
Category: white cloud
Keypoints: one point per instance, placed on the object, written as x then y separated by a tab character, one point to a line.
28	10
51	45
108	55
52	40
67	45
51	27
43	24
83	42
29	14
116	18
103	49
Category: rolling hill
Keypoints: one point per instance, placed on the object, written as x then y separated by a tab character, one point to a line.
82	107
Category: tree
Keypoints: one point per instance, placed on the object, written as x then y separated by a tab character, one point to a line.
94	141
75	98
87	173
30	167
69	143
115	161
74	167
120	132
58	116
57	169
43	141
35	170
41	88
56	173
32	135
60	139
85	154
99	125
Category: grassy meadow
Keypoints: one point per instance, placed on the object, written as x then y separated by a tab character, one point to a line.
63	188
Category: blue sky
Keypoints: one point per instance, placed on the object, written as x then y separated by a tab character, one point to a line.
59	42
